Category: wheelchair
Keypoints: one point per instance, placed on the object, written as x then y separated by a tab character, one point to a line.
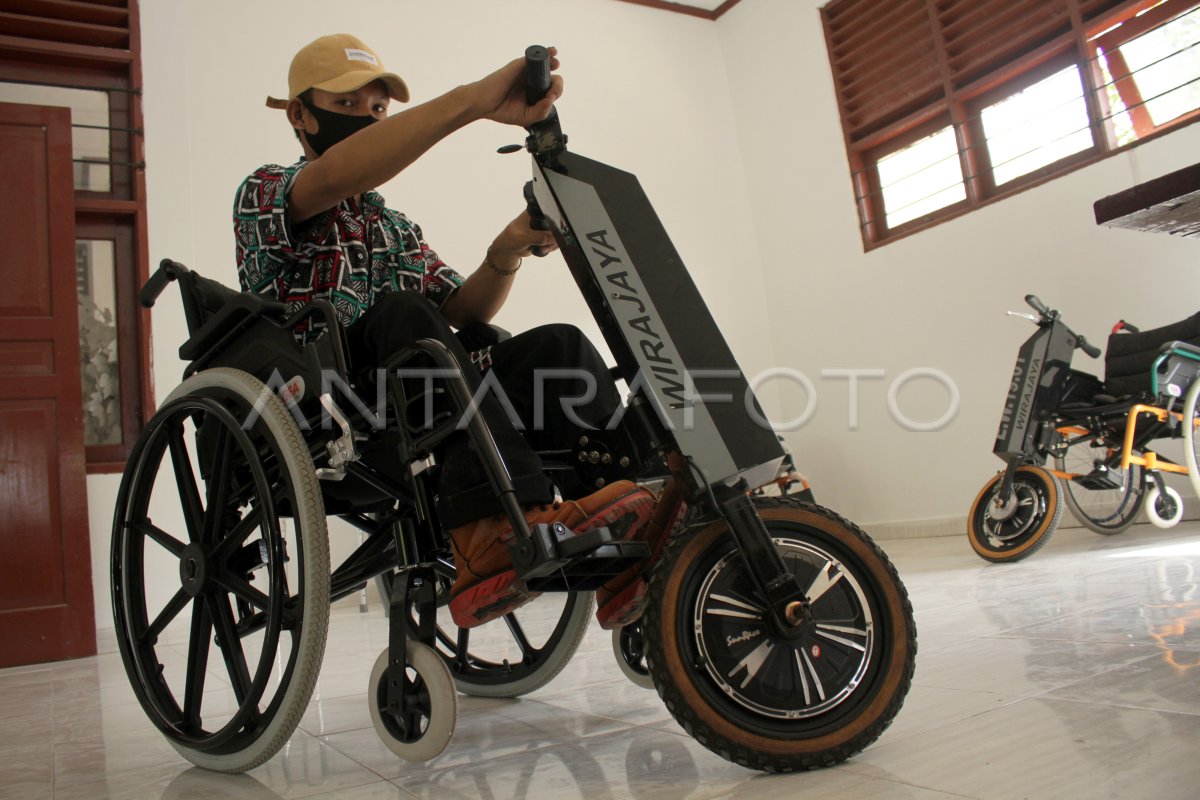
775	631
1099	434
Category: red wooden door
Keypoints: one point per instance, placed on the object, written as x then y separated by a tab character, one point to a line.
46	608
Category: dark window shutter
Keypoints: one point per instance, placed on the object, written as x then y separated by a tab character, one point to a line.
980	35
93	23
884	63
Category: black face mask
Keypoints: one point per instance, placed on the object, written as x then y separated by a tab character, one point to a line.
333	127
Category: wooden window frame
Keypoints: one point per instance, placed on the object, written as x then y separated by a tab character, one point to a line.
95	45
961	101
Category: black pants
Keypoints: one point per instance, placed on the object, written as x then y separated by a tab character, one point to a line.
523	366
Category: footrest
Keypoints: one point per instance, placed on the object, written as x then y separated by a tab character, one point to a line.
1098	479
558	559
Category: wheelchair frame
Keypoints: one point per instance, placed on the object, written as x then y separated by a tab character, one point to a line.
794	600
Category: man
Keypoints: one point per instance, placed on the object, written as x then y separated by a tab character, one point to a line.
317	229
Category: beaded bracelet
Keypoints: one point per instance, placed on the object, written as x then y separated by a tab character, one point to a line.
492	265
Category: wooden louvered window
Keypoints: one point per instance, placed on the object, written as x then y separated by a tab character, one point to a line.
948	105
86	55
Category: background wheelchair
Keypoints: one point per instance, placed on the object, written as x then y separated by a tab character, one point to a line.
776	632
1099	435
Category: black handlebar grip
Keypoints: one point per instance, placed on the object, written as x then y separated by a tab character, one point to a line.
537	73
1037	305
153	288
1087	347
167	271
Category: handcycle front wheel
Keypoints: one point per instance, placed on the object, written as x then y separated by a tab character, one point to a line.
511	656
1017	526
221	617
781	700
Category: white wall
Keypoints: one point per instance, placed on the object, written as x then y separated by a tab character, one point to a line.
733	129
207	129
935	299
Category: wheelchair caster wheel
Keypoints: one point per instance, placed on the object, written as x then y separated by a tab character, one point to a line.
423	731
1164	509
629	648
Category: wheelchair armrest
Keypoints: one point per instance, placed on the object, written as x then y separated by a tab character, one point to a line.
1180	348
478	335
332	342
1176	368
240	309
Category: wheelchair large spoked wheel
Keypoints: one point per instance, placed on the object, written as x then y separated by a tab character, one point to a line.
221	604
1020	525
1191	437
1108	508
771	699
515	654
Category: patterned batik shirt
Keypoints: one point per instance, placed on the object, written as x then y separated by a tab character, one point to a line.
350	255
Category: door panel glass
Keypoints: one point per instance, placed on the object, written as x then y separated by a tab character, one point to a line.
95	278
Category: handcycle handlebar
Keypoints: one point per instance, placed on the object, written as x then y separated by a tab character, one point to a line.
1049	316
167	271
1087	347
545	137
1037	305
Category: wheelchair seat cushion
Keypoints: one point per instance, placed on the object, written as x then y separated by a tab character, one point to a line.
1130	357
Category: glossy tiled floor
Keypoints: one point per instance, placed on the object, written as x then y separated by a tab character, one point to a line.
1075	674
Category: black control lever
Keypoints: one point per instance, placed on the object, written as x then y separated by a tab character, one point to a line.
537	220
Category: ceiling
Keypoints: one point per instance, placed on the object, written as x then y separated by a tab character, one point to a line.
707	5
709	9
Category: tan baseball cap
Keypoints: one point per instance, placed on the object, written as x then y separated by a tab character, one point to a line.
338	63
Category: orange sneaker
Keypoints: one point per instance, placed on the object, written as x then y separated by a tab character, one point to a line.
487	587
622	599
